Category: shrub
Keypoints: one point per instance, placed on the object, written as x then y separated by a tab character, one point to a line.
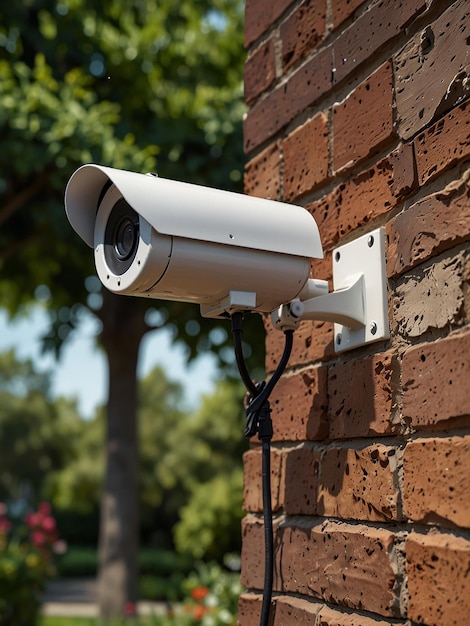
25	563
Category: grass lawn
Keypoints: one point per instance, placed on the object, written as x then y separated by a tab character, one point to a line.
90	621
67	621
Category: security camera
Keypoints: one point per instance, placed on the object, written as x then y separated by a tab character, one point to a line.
162	239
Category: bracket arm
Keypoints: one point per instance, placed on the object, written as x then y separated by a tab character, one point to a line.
343	306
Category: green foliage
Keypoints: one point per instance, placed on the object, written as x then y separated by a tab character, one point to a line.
210	523
212	599
37	434
211	471
144	86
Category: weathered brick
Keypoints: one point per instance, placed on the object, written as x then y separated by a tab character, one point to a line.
381	22
360	397
298	404
293	480
253	553
296	611
269	115
345	564
300	482
364	197
355	569
358	483
263	174
342	9
260	71
435	383
252	493
440	495
249	609
432	70
432	225
363	123
430	296
331	617
306	157
312	341
444	143
259	16
302	31
438	580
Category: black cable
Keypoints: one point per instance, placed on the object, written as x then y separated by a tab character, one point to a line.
259	419
237	330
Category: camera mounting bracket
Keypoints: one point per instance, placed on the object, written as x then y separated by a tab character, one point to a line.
358	305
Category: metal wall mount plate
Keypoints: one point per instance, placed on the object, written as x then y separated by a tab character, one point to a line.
364	256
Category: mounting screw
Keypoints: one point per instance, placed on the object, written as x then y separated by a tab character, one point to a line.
370	241
373	328
337	256
338	339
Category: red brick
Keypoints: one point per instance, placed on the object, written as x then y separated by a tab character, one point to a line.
306	157
345	564
431	296
358	483
296	611
249	609
440	495
375	27
444	143
431	70
438	580
363	123
301	478
263	174
298	404
432	225
435	383
260	71
364	197
252	556
312	341
252	492
259	16
342	9
293	480
302	31
269	115
331	617
360	397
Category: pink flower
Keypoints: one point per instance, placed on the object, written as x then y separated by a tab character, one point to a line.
5	525
33	519
38	538
130	608
48	524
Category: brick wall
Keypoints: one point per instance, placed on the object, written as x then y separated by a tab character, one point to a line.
359	111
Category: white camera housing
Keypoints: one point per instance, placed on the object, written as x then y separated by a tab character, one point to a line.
169	240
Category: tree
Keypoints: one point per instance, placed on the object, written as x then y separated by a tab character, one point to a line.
131	84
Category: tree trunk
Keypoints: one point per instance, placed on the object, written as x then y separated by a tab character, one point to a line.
123	329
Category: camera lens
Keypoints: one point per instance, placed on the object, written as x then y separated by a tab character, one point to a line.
126	238
121	237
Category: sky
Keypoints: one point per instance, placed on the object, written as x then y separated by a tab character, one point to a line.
81	370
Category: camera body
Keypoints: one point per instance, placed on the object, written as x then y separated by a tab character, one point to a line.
158	238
